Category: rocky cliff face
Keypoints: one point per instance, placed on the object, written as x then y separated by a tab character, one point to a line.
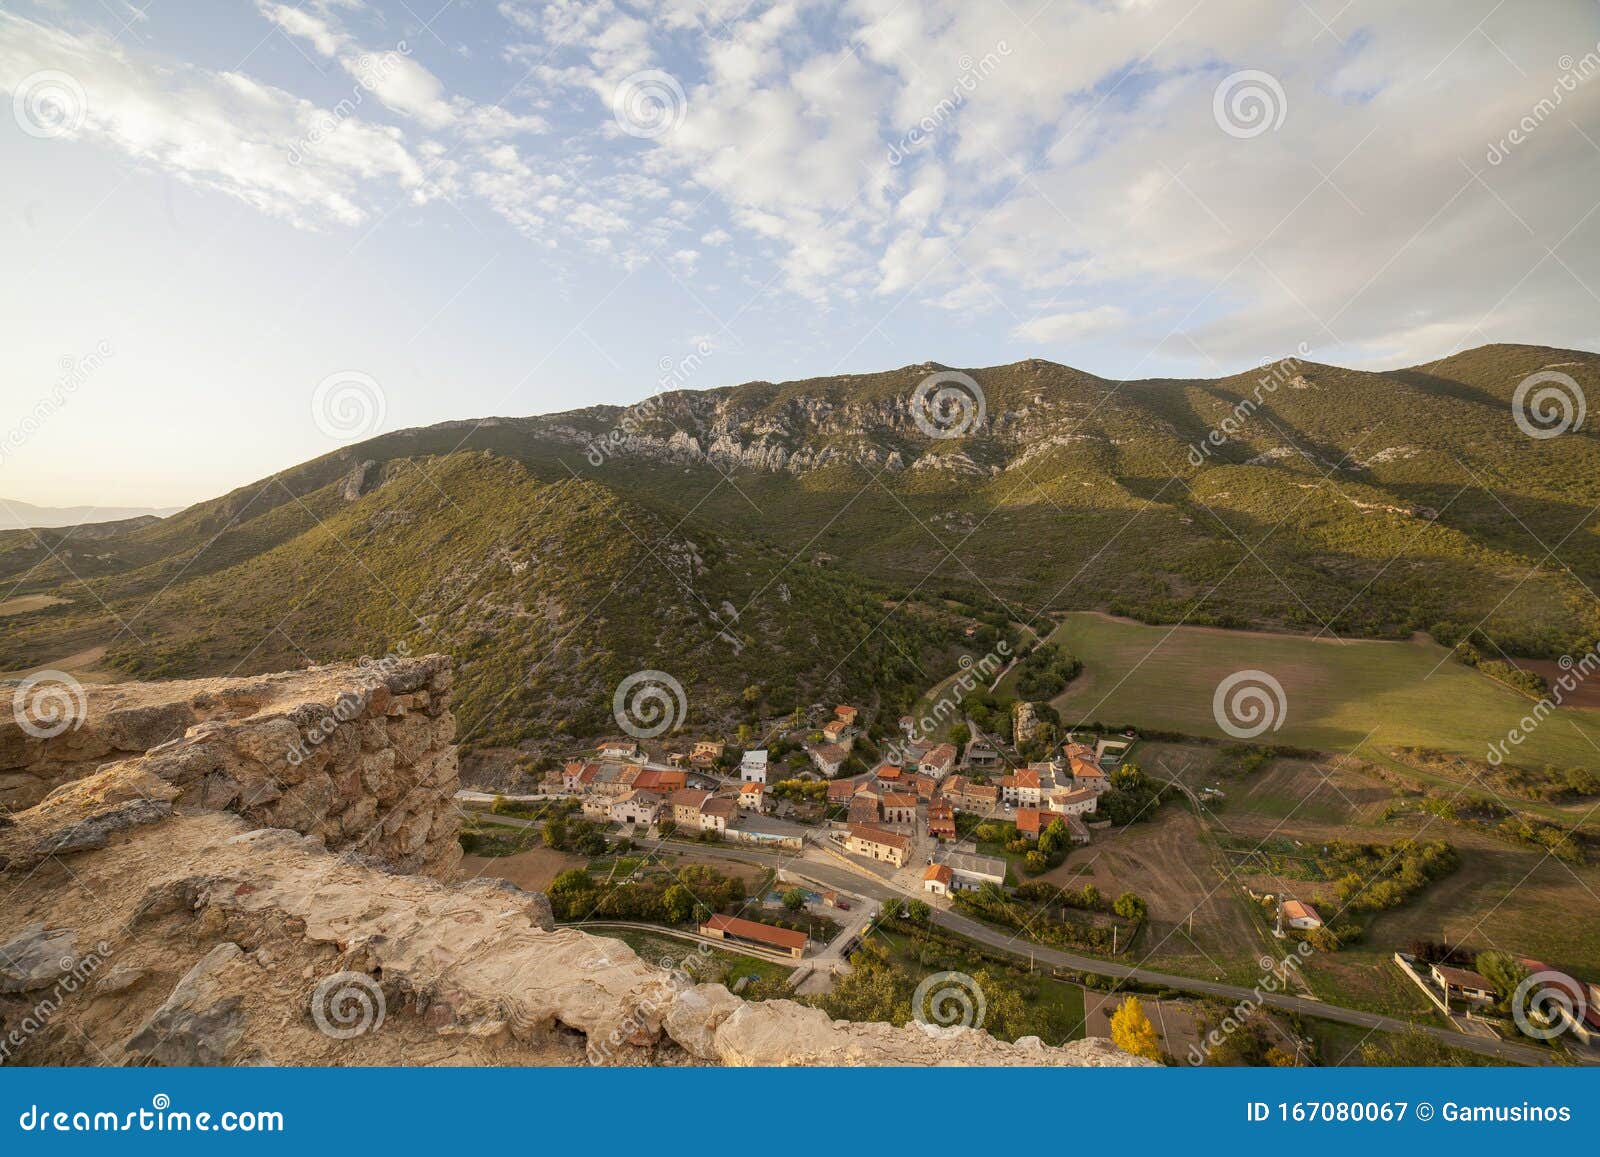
152	918
361	757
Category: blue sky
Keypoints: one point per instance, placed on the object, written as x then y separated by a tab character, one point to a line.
510	208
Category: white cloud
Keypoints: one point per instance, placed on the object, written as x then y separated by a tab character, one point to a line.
1072	324
223	131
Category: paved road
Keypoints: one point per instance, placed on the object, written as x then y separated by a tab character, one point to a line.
841	877
838	876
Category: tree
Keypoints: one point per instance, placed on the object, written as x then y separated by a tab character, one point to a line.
960	733
918	911
794	899
1504	972
1130	906
677	904
1132	1032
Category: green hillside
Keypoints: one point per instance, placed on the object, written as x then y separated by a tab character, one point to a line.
548	594
1350	504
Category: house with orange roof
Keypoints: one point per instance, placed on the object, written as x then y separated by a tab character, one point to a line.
900	807
877	843
765	936
941	820
937	879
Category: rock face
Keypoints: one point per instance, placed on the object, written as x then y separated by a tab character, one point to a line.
219	941
360	756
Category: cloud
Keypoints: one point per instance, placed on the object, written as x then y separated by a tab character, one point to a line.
1069	325
220	130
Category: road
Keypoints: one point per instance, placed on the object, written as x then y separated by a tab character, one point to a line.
996	938
837	876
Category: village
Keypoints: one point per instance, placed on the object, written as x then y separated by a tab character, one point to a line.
950	829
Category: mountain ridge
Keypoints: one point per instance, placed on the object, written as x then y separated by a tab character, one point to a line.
1343	502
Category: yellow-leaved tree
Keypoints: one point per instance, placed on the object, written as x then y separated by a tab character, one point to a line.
1132	1032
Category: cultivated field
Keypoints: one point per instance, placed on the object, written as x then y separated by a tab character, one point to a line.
1341	696
1198	925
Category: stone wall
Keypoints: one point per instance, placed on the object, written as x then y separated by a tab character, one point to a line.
360	756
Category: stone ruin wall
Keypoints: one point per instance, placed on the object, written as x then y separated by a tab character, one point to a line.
360	757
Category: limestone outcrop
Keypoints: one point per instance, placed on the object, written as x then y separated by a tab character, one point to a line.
152	918
361	756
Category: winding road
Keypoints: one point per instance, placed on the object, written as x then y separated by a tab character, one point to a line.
863	883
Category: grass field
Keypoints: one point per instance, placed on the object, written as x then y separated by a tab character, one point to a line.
1341	696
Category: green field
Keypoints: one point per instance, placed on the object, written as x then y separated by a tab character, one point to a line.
1341	696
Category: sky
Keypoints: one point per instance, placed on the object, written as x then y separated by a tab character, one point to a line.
241	233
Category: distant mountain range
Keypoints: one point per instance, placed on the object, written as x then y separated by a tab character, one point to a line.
16	515
777	544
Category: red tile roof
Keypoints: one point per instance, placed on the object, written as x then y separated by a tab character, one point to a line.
939	872
874	835
1036	820
786	938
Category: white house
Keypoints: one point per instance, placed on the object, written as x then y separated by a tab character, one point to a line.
938	762
637	807
1297	914
753	767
